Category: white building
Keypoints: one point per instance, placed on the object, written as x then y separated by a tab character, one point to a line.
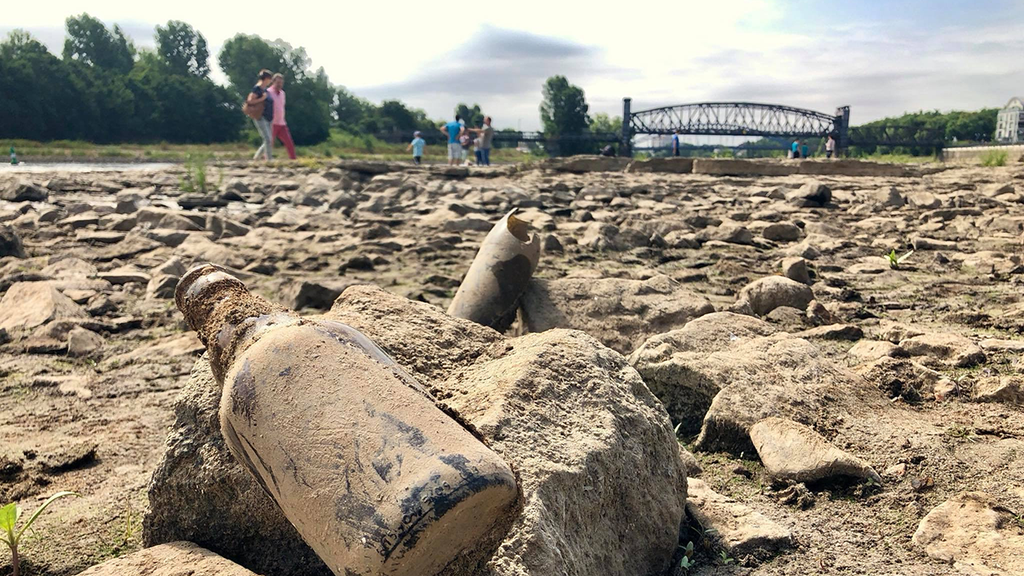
1010	123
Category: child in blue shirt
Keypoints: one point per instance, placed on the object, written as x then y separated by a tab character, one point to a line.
417	145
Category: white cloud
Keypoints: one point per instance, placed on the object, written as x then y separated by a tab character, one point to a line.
432	56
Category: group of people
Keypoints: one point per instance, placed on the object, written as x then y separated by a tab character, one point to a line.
270	123
460	138
799	149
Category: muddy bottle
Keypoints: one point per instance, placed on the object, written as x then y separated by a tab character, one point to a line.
498	277
374	476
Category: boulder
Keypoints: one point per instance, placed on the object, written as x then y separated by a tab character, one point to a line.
889	197
944	348
31	304
1008	389
724	372
173	559
810	195
739	529
621	313
768	293
591	445
975	534
10	243
23	191
794	453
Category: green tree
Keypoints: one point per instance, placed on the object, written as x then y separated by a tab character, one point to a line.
350	110
45	104
89	41
604	124
183	49
472	115
563	112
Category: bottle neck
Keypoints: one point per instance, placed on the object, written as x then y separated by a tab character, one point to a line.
215	304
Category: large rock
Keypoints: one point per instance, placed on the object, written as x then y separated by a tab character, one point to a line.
10	242
30	304
974	534
768	293
722	373
944	348
603	485
174	559
621	313
738	528
23	191
794	453
810	195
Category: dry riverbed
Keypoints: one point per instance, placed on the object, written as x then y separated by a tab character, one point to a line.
929	392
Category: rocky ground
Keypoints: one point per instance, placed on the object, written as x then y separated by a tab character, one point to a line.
738	299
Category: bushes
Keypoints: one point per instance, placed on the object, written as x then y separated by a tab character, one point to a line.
994	158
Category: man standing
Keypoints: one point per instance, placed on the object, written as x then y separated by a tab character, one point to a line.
279	126
453	130
830	147
795	149
486	133
675	142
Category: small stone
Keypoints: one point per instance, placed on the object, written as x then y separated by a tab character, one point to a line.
740	529
767	294
82	342
795	268
849	332
895	471
782	232
359	262
58	459
552	245
31	304
794	453
124	275
162	286
890	197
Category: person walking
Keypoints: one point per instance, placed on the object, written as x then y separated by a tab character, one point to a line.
794	151
804	150
453	130
486	133
279	128
675	142
830	146
260	97
417	145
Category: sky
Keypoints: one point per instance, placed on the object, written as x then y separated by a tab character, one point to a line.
882	58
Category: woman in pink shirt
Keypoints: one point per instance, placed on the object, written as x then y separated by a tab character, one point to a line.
279	127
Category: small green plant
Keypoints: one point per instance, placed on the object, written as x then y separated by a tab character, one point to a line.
11	536
895	261
687	560
194	179
724	559
994	158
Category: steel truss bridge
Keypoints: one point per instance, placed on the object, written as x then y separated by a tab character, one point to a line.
750	119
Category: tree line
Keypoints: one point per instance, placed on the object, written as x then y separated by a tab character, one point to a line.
104	89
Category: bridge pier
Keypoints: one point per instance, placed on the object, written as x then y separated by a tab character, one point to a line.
843	127
626	147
